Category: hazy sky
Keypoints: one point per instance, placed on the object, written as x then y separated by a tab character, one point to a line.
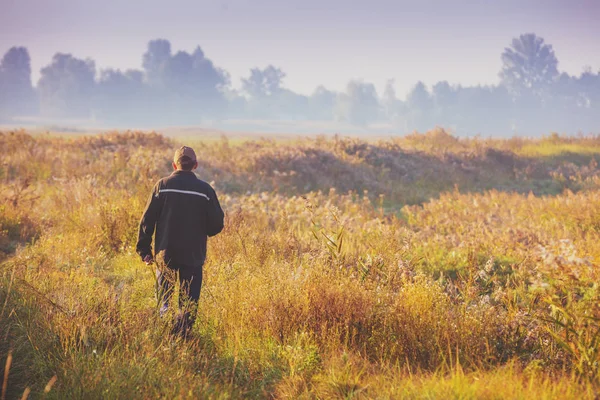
313	41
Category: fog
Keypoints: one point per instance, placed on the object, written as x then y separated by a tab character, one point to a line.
178	88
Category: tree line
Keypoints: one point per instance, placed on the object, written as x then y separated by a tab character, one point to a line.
181	88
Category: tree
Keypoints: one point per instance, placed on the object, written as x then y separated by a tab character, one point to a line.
210	77
66	87
289	105
17	96
321	104
263	83
121	96
198	84
420	106
444	98
443	95
575	102
389	100
393	108
482	109
265	89
528	65
184	87
154	61
359	105
589	84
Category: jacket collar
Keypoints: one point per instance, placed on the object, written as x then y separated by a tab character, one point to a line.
183	173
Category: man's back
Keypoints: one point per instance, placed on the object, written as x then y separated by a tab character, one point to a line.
182	210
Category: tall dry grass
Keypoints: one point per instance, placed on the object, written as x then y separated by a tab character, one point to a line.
419	267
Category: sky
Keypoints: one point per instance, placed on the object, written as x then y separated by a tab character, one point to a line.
315	42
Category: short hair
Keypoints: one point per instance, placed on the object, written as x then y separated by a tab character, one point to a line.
186	163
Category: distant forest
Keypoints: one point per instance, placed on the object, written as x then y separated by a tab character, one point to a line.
179	88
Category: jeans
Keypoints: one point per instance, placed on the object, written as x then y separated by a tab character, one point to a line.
190	283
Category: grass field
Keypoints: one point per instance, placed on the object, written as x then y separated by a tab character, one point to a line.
417	267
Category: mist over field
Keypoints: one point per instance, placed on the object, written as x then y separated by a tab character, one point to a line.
444	243
180	88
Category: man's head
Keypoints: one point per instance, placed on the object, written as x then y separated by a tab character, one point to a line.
185	159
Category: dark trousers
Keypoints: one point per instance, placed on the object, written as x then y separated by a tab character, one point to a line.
190	283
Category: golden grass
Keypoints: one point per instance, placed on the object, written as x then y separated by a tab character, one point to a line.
422	267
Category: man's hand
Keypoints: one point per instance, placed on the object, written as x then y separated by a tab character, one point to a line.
148	259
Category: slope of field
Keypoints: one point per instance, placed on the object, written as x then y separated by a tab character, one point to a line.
417	267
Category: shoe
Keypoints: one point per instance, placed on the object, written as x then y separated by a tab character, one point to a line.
163	310
182	326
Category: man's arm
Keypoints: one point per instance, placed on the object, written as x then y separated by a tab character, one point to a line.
147	225
215	216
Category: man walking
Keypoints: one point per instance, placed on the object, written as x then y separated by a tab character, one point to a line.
181	212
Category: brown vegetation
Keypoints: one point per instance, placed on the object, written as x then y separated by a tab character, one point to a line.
416	267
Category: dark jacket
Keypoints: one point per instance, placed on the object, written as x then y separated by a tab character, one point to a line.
183	211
